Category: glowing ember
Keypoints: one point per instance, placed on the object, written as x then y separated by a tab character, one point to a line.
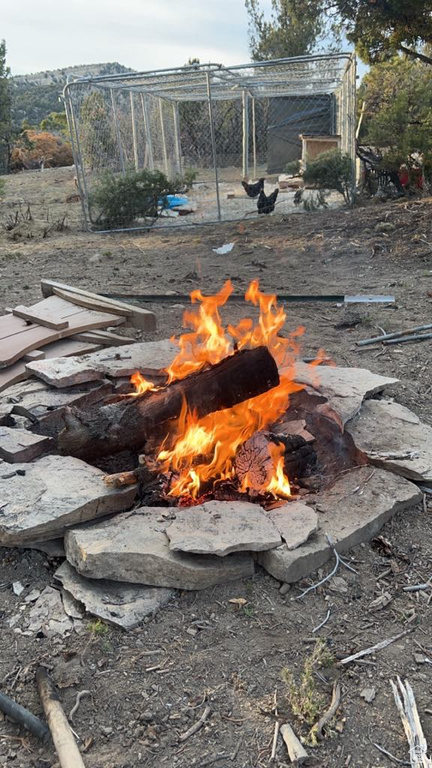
205	449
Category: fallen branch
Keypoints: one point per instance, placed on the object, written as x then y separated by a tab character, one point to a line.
389	755
316	732
407	708
68	753
322	622
22	716
275	741
296	751
395	335
196	726
378	647
339	561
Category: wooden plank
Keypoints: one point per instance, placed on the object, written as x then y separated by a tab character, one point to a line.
35	315
88	303
16	346
141	318
106	338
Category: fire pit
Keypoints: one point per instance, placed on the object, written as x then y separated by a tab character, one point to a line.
245	455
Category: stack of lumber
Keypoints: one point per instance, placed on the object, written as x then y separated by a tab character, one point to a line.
68	321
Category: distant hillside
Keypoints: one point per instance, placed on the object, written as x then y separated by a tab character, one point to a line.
35	96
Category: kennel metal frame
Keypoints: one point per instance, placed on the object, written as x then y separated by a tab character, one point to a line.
134	120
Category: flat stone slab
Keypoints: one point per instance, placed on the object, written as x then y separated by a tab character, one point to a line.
222	527
110	361
18	445
393	437
344	388
295	521
352	511
39	501
121	604
134	547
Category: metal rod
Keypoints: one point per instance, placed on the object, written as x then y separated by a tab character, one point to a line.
177	138
134	131
117	130
213	145
164	146
245	142
181	297
406	339
147	131
394	335
254	145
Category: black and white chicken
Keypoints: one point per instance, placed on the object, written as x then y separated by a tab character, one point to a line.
253	190
266	203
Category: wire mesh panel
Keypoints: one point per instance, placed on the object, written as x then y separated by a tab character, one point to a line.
205	128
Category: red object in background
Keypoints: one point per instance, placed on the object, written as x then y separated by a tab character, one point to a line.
404	176
418	177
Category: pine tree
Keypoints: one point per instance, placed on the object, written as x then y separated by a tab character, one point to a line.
5	112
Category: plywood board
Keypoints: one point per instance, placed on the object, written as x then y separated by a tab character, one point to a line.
40	317
22	340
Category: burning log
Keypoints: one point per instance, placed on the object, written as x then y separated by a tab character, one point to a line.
129	423
255	459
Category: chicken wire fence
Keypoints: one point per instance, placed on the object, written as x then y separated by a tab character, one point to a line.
211	124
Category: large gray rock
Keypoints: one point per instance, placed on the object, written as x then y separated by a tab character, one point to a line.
295	521
124	605
393	437
344	388
110	361
39	501
134	547
20	445
221	527
352	511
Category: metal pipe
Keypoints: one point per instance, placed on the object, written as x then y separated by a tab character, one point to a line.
254	144
177	138
164	146
117	130
245	142
394	335
213	145
147	131
134	131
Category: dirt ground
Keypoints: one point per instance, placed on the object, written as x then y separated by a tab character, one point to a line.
149	685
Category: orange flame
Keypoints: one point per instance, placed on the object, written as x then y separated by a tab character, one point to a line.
205	448
141	384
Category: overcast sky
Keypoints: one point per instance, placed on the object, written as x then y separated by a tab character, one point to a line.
142	34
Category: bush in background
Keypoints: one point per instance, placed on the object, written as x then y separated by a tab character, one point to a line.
331	170
119	200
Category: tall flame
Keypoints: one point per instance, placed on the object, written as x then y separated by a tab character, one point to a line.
205	448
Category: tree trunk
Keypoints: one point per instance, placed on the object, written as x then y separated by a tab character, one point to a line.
129	423
416	55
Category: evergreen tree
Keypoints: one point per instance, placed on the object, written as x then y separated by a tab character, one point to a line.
5	112
293	29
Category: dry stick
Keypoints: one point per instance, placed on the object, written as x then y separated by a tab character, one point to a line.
395	335
317	730
322	622
79	696
296	751
196	726
22	716
275	741
339	561
389	754
411	723
68	753
373	648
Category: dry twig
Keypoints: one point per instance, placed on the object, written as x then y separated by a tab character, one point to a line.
407	708
378	647
317	730
196	726
339	561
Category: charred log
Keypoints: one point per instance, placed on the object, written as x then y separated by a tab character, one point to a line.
129	423
254	464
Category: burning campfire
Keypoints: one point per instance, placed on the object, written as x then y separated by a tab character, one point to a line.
229	445
213	424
